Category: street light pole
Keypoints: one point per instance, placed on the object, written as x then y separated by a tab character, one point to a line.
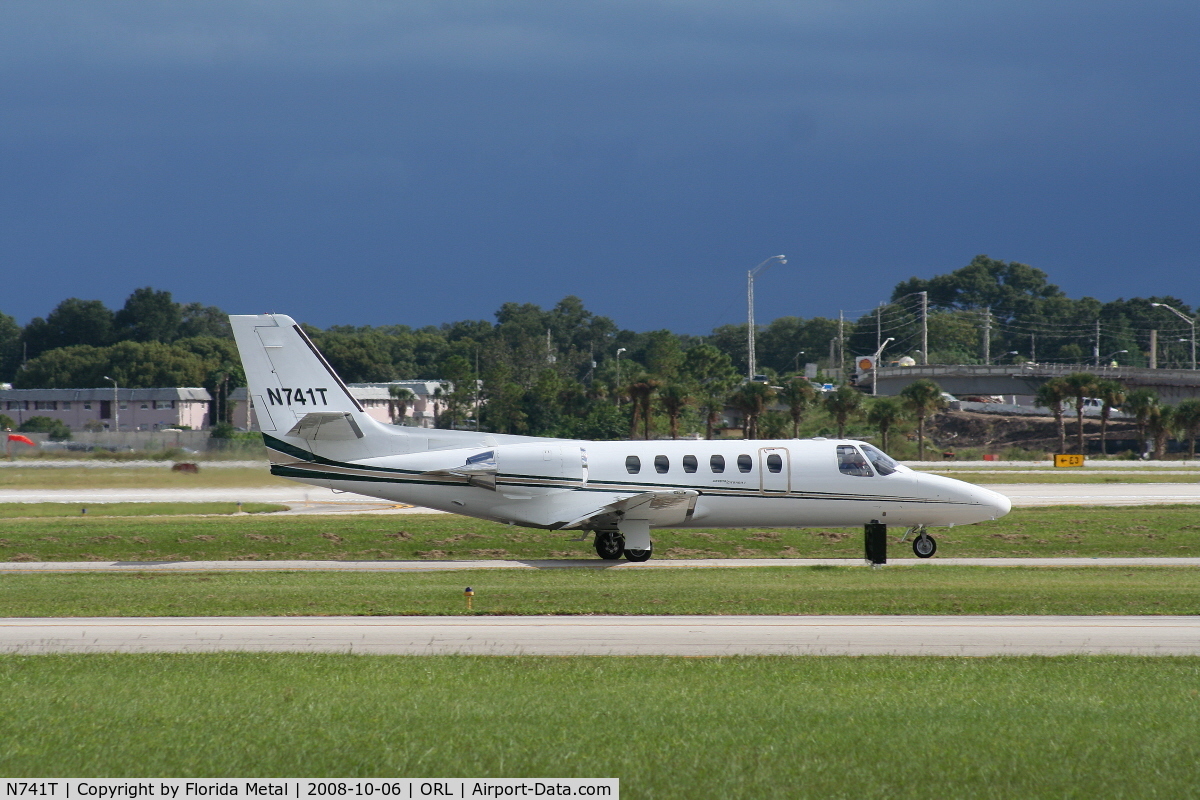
1189	320
875	367
750	276
116	406
1108	357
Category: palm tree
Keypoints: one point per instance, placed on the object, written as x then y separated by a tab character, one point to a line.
713	397
798	394
922	397
1160	420
883	414
641	395
401	397
841	404
1081	386
1051	394
1140	403
1112	395
1187	417
752	401
674	398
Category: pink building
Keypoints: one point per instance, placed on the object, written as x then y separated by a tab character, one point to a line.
93	409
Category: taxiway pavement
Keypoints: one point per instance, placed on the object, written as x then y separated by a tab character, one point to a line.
310	499
658	636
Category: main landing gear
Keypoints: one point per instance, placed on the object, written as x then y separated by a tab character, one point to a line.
923	546
610	545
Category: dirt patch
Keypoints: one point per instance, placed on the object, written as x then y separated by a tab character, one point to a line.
996	431
495	552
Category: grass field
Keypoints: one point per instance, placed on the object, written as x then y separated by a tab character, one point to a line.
1055	531
138	478
751	590
716	727
27	510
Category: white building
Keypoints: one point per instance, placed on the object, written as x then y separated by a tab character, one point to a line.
93	409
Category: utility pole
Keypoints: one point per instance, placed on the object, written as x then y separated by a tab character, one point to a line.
1154	349
751	361
841	343
1096	346
878	322
987	336
924	327
1033	347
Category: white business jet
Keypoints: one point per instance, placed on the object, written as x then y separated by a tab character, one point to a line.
317	433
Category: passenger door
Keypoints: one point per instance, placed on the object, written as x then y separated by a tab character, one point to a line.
775	469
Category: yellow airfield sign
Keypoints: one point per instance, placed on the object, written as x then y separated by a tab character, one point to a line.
1068	460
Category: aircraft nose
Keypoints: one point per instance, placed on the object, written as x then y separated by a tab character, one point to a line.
998	503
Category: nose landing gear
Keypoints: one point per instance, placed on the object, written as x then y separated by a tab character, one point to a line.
923	546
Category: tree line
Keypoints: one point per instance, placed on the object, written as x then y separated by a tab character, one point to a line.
565	371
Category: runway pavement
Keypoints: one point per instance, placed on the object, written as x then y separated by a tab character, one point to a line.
14	567
593	636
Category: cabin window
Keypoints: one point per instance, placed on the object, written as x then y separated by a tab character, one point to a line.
689	464
883	463
851	462
662	464
774	463
745	463
633	465
716	463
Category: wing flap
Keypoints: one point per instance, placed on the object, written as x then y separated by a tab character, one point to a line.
660	509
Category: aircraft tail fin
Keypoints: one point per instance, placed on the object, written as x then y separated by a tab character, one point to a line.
297	396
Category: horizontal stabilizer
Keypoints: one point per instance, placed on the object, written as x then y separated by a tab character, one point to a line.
326	426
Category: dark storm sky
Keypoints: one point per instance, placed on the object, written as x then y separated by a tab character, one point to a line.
421	162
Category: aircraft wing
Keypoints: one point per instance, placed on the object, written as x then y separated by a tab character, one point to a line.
658	508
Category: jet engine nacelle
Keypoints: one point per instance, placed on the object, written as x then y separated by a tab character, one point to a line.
549	466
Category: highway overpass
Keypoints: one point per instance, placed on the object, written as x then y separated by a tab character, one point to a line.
1172	385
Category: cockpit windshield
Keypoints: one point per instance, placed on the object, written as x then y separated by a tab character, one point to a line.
883	463
851	462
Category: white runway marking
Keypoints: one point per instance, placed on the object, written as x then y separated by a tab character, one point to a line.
568	636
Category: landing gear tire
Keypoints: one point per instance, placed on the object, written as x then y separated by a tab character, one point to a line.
610	545
924	546
637	555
